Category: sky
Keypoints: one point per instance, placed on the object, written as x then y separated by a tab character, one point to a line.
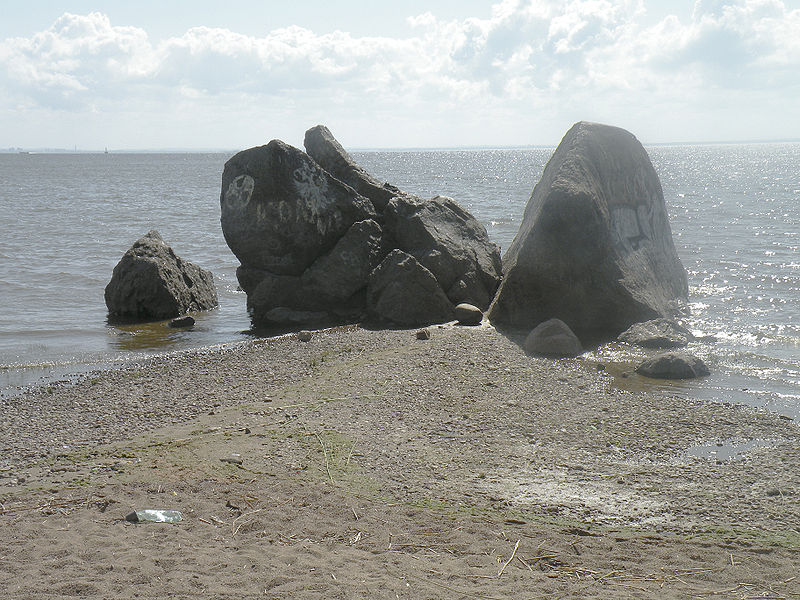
451	73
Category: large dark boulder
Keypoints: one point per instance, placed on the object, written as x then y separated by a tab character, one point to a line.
151	282
281	211
266	291
595	247
450	243
339	274
310	241
329	154
404	292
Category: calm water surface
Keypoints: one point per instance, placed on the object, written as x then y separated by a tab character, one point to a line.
68	218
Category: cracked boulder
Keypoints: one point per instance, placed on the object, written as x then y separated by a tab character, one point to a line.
281	211
311	243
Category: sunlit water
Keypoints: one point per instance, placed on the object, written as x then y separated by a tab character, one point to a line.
68	218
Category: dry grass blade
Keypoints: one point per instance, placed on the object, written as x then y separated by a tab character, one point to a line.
51	505
236	526
350	455
520	559
325	453
508	562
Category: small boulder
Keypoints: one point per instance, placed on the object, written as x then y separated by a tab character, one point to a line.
423	334
181	322
152	282
662	334
468	314
304	336
553	338
673	365
402	291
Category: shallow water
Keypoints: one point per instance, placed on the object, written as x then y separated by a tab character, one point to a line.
68	218
728	449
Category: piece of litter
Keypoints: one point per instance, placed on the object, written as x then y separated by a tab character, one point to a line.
154	516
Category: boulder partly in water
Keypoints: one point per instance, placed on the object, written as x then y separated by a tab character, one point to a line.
151	282
662	334
673	365
595	247
310	231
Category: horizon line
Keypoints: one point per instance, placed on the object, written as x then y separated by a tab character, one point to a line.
477	147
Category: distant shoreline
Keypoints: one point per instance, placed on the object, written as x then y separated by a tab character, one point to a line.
22	150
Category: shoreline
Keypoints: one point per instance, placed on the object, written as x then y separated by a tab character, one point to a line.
462	434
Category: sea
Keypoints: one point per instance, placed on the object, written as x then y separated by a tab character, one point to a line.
67	219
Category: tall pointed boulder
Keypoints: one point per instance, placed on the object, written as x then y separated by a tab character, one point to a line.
595	247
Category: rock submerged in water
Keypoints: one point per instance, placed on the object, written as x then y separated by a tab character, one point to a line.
151	282
673	365
662	334
181	322
595	247
313	233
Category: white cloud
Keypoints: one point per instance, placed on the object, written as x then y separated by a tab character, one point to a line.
78	62
531	61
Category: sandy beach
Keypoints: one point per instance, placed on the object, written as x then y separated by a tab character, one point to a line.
372	464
